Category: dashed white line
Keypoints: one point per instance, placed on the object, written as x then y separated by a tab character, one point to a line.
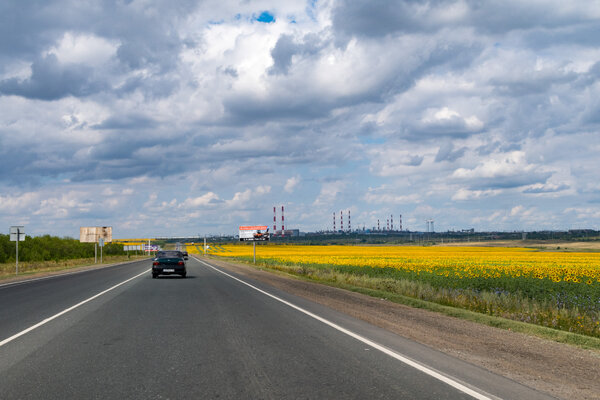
426	370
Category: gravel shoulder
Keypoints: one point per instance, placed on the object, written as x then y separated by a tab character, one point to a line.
557	369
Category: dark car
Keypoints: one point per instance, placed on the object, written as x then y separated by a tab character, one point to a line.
168	263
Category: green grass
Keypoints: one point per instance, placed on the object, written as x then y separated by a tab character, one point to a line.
7	270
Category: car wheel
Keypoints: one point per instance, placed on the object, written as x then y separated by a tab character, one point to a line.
183	275
154	276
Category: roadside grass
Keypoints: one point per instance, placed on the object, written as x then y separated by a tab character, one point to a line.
8	270
528	316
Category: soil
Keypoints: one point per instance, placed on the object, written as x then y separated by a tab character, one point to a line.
558	369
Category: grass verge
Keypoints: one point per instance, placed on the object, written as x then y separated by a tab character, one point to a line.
26	269
336	279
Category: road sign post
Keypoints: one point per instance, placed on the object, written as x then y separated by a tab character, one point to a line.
254	251
101	243
17	234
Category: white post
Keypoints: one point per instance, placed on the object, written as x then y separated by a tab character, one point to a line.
254	250
18	237
204	245
101	254
95	253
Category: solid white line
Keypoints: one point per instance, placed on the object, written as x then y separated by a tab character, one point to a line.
455	384
13	337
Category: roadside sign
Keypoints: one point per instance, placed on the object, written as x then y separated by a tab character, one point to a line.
253	233
91	234
17	233
101	242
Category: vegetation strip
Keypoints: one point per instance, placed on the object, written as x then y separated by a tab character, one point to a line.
556	291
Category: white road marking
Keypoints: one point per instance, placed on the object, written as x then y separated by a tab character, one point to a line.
23	332
426	370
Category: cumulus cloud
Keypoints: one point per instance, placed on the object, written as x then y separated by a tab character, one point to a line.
291	184
502	172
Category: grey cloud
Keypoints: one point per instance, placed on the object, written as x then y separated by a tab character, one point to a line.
154	87
447	153
286	48
414	161
546	189
497	146
509	182
51	80
231	71
531	83
126	122
454	127
375	18
383	17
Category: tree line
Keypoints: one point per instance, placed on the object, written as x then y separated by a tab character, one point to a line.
51	248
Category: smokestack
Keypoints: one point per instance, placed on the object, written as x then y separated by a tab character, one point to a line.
400	222
334	222
387	222
378	229
342	221
282	223
274	220
392	223
349	224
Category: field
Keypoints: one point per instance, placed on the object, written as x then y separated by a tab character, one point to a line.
560	290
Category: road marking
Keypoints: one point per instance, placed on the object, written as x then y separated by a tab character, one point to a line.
13	337
426	370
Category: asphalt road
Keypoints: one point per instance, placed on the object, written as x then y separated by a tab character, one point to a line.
209	336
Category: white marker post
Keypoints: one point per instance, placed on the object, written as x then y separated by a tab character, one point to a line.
254	250
101	243
17	234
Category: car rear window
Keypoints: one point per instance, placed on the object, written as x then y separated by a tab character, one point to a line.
168	254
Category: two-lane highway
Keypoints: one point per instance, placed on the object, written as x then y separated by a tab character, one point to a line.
211	335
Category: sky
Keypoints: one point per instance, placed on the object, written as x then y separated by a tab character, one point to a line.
176	118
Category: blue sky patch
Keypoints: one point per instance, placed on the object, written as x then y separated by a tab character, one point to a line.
266	17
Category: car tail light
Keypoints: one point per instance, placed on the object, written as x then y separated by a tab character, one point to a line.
155	263
180	263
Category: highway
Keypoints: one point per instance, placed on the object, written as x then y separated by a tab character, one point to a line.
116	333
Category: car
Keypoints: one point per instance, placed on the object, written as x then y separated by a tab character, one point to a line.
169	263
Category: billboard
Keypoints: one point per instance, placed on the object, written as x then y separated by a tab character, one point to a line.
254	233
91	234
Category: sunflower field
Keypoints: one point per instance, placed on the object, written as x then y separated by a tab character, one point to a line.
555	289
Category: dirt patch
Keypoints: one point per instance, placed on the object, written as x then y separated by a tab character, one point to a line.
557	369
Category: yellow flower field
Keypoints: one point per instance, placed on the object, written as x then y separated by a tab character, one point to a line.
555	289
459	262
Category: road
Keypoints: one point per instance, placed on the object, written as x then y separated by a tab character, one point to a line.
117	333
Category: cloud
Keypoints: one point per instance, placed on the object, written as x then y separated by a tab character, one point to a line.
291	184
206	199
447	153
503	172
51	80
